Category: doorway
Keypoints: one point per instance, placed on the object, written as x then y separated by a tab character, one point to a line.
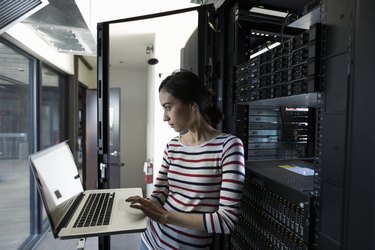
167	44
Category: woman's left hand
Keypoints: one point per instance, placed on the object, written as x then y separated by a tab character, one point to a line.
150	208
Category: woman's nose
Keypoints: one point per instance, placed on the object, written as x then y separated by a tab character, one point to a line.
165	117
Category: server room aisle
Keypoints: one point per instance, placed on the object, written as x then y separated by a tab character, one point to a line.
118	242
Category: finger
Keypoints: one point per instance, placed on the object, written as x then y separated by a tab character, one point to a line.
133	198
136	206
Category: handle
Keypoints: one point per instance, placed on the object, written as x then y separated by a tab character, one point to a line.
114	153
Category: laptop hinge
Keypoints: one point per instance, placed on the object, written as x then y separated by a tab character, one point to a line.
64	222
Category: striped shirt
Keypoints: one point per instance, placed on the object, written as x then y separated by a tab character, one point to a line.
205	179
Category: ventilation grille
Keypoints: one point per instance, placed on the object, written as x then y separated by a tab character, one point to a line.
12	12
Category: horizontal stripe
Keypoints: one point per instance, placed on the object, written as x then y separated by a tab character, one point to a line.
236	163
203	152
188	234
194	183
232	181
194	160
160	239
193	205
211	167
195	198
194	190
195	175
179	240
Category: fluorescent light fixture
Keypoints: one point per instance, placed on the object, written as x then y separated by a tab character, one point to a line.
265	50
269	12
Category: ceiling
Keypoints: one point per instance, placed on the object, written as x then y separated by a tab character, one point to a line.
128	41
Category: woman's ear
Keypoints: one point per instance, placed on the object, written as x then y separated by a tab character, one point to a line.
194	106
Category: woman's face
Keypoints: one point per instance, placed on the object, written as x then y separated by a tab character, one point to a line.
178	115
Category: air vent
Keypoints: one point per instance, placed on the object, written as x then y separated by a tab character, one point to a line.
62	26
12	12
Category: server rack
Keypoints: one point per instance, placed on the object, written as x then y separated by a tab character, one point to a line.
274	100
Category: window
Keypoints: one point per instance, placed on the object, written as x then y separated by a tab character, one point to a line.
20	216
52	107
15	135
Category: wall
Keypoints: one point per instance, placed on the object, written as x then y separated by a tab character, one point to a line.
167	51
86	76
133	110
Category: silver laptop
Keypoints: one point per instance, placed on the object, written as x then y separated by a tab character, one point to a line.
73	212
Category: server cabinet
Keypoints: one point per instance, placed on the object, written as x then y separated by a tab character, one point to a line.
336	91
272	101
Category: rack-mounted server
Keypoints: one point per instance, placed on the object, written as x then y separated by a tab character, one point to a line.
291	68
276	132
277	209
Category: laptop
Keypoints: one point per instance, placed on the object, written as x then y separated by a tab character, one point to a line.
65	200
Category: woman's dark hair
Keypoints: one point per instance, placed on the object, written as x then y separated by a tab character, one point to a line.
188	88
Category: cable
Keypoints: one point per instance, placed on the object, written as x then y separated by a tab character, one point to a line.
282	29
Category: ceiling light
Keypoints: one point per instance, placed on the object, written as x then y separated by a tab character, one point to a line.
269	12
265	49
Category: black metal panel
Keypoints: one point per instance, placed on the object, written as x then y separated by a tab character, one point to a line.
336	83
360	190
338	18
333	142
228	38
104	242
242	130
103	103
331	208
206	38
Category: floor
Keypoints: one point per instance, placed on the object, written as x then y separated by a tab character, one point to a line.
15	206
118	242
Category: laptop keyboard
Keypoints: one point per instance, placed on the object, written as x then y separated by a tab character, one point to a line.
96	211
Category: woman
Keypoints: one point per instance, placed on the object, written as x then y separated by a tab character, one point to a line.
199	185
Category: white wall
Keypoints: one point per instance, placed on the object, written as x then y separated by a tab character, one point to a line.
86	76
133	110
167	50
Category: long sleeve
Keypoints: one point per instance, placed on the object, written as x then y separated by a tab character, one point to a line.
161	187
233	175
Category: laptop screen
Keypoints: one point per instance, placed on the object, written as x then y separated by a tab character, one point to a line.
57	178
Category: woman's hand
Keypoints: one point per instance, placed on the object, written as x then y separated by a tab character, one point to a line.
150	208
